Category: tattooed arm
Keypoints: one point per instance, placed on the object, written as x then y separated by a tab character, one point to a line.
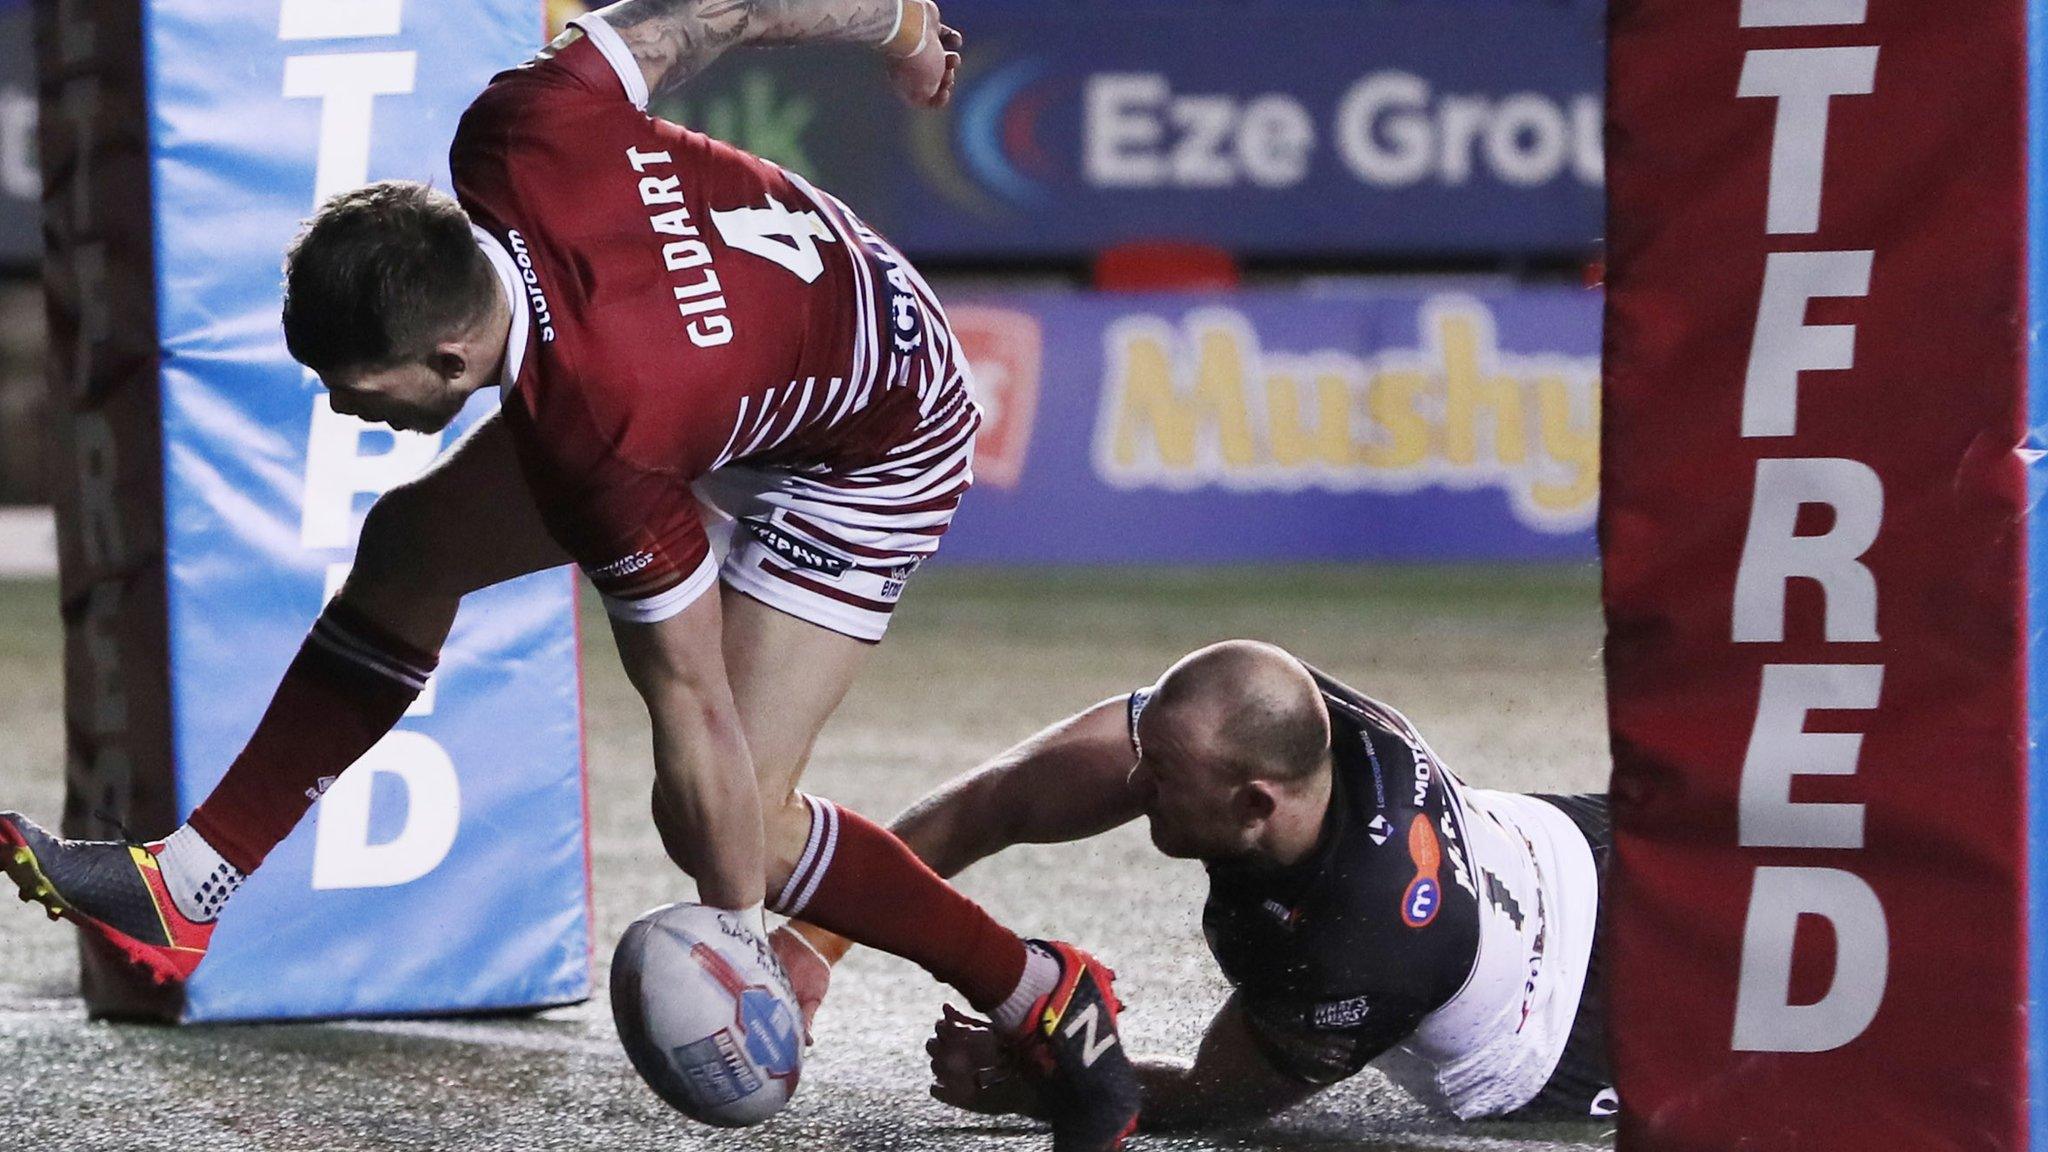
674	40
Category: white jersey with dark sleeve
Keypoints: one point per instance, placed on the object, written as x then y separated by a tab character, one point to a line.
1438	932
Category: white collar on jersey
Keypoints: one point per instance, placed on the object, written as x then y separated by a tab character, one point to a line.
515	296
620	57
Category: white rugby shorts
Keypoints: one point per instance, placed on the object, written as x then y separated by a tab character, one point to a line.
836	548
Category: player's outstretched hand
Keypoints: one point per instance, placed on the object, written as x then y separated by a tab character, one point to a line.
924	58
973	1068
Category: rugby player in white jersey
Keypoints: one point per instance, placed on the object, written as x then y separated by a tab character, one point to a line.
1367	906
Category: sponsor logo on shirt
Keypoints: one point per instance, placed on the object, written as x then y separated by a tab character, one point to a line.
1331	1015
1380	830
1455	853
796	551
1424	895
1281	912
625	565
542	314
906	318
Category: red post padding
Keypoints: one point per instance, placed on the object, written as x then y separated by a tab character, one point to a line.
1812	524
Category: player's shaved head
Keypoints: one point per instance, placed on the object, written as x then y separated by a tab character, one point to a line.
1253	710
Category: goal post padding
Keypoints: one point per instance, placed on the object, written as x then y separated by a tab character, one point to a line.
211	499
1816	515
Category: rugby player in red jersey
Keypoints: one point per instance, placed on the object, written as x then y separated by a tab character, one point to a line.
669	320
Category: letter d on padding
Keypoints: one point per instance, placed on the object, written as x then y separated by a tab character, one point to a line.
344	857
1765	1018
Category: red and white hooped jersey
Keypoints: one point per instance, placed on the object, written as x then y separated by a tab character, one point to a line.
688	306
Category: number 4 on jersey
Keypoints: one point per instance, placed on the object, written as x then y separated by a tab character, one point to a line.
775	233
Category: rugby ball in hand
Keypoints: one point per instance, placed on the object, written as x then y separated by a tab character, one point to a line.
706	1015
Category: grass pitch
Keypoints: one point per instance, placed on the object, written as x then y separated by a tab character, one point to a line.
1499	666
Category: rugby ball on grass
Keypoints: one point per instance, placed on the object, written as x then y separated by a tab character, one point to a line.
706	1015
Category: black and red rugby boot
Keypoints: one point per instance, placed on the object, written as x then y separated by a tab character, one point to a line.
1070	1046
108	887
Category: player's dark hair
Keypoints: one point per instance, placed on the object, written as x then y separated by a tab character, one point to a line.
381	274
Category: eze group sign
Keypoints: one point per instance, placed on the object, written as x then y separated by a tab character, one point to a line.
1458	127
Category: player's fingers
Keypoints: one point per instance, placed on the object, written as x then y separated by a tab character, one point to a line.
970	1092
957	1095
950	38
951	1035
960	1025
956	1074
944	95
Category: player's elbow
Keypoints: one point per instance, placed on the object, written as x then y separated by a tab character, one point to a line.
398	545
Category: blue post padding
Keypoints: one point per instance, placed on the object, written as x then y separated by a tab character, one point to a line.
2037	576
448	871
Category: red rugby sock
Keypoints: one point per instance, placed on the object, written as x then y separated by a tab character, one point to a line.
348	686
857	879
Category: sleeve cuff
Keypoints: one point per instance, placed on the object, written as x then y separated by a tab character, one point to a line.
1134	709
663	605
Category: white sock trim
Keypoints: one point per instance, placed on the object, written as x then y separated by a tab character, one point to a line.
199	880
816	859
1041	975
